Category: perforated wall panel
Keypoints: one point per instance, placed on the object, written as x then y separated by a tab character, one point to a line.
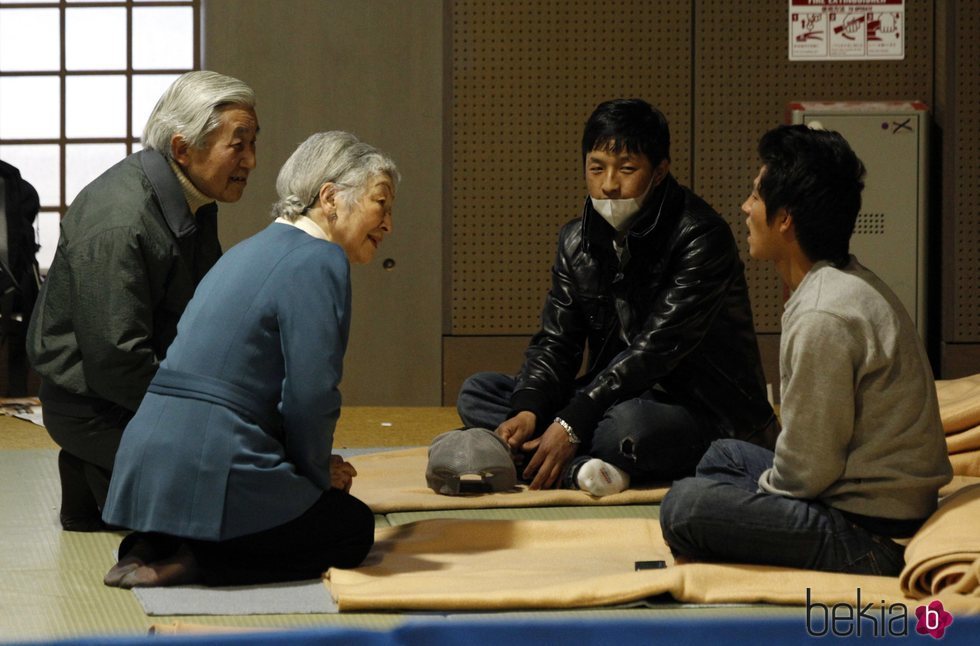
525	77
743	81
965	216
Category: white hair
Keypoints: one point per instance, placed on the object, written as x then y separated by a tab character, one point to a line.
192	107
335	156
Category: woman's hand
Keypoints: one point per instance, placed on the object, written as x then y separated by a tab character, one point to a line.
341	473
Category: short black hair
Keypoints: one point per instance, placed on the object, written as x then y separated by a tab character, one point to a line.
632	125
818	179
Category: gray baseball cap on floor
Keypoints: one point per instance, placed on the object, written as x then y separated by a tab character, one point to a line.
478	453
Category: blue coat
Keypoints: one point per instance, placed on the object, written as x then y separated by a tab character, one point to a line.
235	433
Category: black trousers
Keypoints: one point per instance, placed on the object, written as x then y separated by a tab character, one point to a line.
337	531
88	432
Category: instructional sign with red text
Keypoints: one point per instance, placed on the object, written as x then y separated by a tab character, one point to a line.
836	30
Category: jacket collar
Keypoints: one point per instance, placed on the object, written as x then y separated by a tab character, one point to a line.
195	198
169	193
660	208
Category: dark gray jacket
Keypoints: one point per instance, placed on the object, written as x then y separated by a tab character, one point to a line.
673	314
127	263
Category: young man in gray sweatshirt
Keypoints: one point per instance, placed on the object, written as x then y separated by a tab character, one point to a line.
862	455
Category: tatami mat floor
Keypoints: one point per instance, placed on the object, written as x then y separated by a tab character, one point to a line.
51	581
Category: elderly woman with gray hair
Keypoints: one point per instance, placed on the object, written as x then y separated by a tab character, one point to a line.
226	472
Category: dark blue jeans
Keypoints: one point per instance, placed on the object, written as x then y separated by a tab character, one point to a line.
719	515
652	438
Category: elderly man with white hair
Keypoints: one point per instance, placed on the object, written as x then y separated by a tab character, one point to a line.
134	245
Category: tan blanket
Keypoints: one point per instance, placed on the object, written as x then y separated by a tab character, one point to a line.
959	403
966	464
944	556
964	451
959	407
958	482
479	565
469	565
965	441
395	481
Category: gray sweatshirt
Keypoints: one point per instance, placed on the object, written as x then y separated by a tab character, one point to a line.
861	428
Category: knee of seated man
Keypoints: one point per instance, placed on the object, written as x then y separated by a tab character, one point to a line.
477	382
474	390
681	499
723	450
677	507
627	411
628	420
650	420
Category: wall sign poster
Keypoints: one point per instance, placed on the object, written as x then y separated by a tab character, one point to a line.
836	30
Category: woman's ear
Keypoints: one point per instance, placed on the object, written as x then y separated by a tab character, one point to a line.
328	198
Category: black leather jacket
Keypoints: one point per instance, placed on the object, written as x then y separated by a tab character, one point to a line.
675	314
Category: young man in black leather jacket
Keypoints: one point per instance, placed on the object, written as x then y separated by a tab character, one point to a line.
649	281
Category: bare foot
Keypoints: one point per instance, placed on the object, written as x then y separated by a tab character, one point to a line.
179	569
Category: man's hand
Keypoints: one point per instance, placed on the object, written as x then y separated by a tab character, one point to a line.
517	430
341	473
553	452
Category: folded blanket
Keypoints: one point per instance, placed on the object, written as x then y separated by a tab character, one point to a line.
964	451
395	481
943	558
958	482
959	402
473	565
966	464
959	408
964	441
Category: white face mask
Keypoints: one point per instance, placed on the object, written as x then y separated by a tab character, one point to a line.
619	213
